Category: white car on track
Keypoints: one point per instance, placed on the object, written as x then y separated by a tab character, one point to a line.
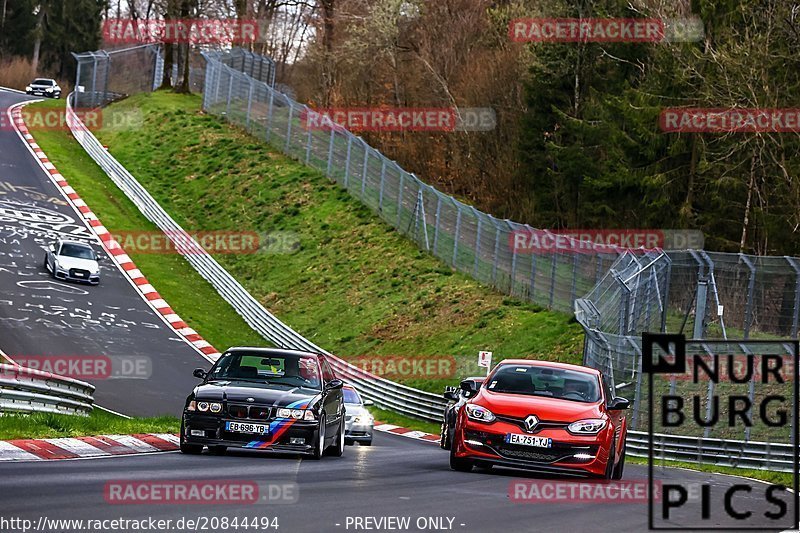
72	261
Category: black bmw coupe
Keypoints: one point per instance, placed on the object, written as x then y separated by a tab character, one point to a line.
266	399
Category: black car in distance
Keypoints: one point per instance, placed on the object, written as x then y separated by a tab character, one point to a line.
266	399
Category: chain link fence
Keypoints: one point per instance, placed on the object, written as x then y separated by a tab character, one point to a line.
469	240
104	76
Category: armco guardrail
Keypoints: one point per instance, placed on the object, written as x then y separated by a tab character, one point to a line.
25	390
718	452
384	393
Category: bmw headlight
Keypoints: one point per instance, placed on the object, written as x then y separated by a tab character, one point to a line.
297	414
479	413
590	426
205	407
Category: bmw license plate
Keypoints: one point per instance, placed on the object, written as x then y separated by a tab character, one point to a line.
529	440
244	427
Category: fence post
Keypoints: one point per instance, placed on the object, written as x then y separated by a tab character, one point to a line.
330	151
455	236
77	81
230	95
574	278
513	258
796	309
383	179
249	104
308	145
436	222
347	163
496	254
751	285
289	128
94	79
364	172
553	281
105	80
533	268
269	113
665	297
477	243
399	196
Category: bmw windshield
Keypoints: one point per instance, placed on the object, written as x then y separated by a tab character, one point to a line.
556	383
284	369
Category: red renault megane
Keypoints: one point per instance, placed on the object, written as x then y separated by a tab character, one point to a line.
543	416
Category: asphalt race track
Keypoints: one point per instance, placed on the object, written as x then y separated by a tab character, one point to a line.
396	477
42	317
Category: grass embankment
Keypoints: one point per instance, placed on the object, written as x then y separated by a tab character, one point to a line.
47	426
355	286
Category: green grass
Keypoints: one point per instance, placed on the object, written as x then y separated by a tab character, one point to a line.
355	286
99	422
389	417
777	478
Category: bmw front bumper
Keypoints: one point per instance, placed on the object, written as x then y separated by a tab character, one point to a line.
288	436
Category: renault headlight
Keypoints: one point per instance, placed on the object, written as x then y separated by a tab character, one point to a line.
590	426
479	413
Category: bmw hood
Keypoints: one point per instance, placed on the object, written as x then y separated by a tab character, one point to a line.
73	262
261	394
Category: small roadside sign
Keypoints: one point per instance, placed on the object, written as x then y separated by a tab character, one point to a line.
485	360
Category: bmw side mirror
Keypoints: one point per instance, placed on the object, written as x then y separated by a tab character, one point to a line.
367	403
470	386
450	395
52	248
199	373
618	404
334	384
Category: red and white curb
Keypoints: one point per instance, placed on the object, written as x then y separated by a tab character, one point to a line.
86	447
405	432
114	249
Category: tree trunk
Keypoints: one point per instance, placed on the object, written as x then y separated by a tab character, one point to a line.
328	11
750	187
37	44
